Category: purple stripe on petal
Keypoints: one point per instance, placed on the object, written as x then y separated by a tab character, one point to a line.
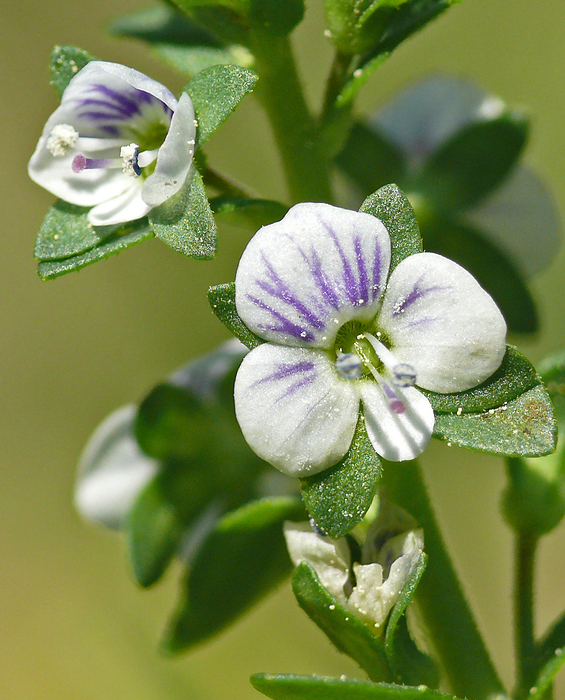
286	325
90	102
129	104
293	388
288	369
377	268
109	129
416	294
364	291
350	284
99	116
329	294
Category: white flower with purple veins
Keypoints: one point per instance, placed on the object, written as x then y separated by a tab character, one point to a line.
344	331
120	143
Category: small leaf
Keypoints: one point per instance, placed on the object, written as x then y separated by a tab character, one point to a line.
474	161
547	675
66	61
409	664
370	160
222	300
190	60
391	206
320	688
216	92
65	232
550	655
524	427
240	561
348	634
185	221
247	212
114	243
514	376
339	497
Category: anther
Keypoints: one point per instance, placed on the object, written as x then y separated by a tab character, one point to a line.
129	155
61	139
349	365
404	375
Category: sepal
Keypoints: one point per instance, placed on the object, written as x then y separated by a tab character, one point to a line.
66	61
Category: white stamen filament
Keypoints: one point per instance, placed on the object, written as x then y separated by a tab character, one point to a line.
128	162
403	374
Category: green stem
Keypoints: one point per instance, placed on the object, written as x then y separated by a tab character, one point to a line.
446	613
224	184
279	90
524	640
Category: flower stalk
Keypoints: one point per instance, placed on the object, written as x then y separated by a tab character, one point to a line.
524	640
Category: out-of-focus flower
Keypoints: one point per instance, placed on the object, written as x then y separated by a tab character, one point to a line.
341	331
120	143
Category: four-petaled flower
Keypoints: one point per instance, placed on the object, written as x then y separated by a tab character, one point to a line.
342	331
120	143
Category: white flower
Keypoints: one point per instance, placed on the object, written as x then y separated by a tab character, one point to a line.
370	589
120	143
342	332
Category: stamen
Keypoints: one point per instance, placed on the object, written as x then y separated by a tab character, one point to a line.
129	155
394	401
349	365
81	162
61	139
404	375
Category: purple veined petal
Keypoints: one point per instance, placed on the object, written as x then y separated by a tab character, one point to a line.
127	206
426	114
521	217
300	279
397	436
112	470
175	156
293	409
440	321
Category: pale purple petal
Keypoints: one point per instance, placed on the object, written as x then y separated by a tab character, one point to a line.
293	409
439	320
396	436
521	217
175	156
127	206
300	279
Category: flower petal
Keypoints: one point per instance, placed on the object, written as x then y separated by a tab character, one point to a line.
440	321
293	409
112	470
127	206
301	278
522	218
397	436
175	156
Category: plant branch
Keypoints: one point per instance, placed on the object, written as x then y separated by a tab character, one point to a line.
525	551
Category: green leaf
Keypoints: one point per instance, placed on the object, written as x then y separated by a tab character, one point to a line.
348	634
112	244
339	497
550	655
547	675
552	370
154	533
240	561
66	61
320	688
276	17
222	300
65	232
409	664
473	162
185	221
239	6
523	427
494	271
216	92
514	376
247	212
370	160
391	206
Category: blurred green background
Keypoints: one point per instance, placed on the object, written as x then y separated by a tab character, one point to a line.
73	625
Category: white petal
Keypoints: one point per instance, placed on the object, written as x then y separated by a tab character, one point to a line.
293	409
428	113
329	558
175	156
127	206
112	470
441	321
522	218
301	278
397	436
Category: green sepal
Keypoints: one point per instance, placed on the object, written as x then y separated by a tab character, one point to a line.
66	61
338	498
346	632
291	687
185	221
215	93
391	206
66	232
130	234
222	300
247	212
370	160
276	17
242	559
494	271
515	376
153	531
408	663
523	427
473	162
